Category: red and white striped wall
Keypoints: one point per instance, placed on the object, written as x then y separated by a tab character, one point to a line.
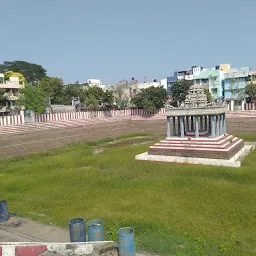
250	106
91	114
19	119
10	120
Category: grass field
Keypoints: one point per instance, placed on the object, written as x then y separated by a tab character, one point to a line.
174	209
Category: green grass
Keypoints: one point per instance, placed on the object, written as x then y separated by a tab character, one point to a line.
124	136
174	209
246	136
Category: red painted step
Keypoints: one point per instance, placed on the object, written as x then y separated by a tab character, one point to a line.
30	250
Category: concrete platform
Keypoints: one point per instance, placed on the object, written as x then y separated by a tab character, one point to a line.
223	147
24	237
233	162
102	248
193	133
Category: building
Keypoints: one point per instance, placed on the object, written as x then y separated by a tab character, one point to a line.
11	88
210	78
163	82
92	82
234	84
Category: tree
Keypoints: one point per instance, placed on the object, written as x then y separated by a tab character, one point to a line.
108	99
72	91
208	95
10	73
179	90
123	94
32	98
151	98
53	88
92	104
94	92
31	71
250	89
3	98
93	97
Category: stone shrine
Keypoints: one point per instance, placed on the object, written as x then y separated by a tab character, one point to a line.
197	134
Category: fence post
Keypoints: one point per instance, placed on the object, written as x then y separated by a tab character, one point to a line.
243	105
231	105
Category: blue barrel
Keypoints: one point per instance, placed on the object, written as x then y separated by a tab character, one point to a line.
3	211
77	230
126	243
95	230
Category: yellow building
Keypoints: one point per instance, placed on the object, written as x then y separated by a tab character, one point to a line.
225	67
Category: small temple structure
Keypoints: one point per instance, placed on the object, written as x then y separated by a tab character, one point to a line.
196	134
196	117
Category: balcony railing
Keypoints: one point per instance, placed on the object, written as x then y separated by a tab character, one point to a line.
11	85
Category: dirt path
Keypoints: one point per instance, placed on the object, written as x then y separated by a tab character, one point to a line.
38	141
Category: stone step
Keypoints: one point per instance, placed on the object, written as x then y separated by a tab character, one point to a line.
225	144
200	139
191	146
209	141
225	151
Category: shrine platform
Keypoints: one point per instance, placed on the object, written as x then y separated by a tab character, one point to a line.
198	134
224	150
222	147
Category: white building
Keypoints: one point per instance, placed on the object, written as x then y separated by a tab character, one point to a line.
163	83
92	81
146	85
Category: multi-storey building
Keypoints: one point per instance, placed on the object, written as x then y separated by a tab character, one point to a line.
234	84
221	81
11	88
210	79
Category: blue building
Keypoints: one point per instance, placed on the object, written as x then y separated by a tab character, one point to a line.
170	80
234	83
210	79
221	81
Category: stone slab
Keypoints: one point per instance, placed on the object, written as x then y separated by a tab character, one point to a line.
25	232
103	248
233	162
201	111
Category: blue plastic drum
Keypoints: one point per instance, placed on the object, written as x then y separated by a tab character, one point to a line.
3	211
126	243
95	230
77	230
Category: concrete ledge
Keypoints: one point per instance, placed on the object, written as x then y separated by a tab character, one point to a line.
233	162
104	248
199	111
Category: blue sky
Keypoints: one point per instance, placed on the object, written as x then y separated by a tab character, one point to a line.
115	39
